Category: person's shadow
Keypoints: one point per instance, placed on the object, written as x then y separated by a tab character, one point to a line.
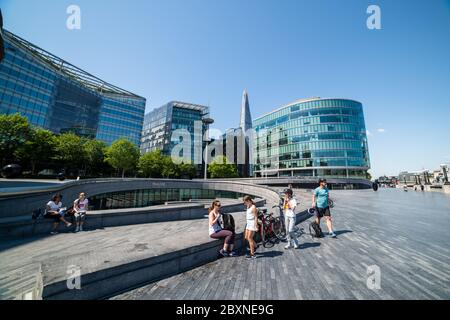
269	254
339	232
307	245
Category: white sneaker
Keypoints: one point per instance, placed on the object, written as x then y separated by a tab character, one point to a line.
295	246
68	225
288	246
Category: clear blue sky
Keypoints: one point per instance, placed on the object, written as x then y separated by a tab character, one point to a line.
209	51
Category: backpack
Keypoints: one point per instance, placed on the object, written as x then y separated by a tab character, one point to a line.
228	222
37	214
314	230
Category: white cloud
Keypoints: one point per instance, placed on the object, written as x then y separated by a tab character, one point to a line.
368	133
381	130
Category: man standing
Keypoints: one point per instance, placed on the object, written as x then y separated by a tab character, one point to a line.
320	202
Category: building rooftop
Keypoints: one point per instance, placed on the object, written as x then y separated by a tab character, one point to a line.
297	102
67	69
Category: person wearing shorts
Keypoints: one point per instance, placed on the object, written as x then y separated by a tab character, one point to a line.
80	207
320	201
252	225
216	231
55	212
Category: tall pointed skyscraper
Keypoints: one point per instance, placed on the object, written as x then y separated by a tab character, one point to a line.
246	118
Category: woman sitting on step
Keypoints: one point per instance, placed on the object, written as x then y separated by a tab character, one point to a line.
217	232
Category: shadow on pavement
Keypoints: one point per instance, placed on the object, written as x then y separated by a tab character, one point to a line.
269	254
307	245
339	232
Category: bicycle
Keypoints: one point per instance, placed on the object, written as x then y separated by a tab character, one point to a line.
269	229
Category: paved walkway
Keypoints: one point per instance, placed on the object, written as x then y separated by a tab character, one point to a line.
405	234
97	249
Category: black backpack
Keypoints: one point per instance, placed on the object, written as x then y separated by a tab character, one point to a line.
314	230
228	222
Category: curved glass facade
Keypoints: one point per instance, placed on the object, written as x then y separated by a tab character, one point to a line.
58	96
315	137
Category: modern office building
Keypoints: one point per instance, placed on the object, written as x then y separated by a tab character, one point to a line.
160	124
312	138
60	97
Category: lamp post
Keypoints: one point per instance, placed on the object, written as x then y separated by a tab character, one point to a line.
206	122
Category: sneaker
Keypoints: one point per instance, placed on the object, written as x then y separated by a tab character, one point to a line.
333	235
77	229
288	246
233	254
295	246
53	233
223	253
68	225
250	257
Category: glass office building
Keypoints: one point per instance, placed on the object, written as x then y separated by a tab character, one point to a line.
160	124
312	138
60	97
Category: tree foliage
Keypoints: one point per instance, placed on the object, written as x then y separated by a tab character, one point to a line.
38	150
122	155
220	167
14	132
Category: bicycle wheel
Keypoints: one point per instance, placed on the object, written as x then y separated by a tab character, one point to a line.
276	211
278	229
268	239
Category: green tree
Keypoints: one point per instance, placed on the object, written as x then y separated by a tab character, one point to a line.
151	164
186	170
122	155
69	151
14	132
170	169
38	150
94	151
220	167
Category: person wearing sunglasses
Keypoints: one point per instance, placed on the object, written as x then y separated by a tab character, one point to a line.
217	232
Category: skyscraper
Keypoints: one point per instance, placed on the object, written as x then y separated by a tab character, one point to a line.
246	118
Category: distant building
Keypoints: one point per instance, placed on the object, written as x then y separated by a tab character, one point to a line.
56	95
160	124
389	181
415	177
312	138
237	141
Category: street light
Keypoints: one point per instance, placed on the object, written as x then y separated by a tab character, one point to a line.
207	122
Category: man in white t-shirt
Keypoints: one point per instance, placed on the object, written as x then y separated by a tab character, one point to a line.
80	206
289	217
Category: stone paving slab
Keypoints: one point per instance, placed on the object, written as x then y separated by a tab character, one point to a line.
405	234
107	252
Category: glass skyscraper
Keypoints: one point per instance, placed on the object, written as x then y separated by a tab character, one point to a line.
160	124
312	138
60	97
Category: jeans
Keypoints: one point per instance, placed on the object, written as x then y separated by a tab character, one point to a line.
290	225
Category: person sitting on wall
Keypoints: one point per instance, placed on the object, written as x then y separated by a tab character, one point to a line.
56	212
216	230
80	207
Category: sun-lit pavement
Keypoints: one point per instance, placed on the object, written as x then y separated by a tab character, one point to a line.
405	234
